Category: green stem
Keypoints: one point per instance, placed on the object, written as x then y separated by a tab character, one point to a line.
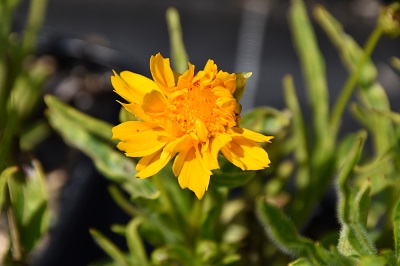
122	202
353	79
37	13
13	231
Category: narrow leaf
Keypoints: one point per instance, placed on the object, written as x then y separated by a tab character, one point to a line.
111	163
135	243
372	261
313	68
300	262
231	180
5	175
93	125
109	247
299	131
285	236
178	52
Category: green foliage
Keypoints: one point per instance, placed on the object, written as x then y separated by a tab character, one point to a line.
23	195
93	137
178	53
25	198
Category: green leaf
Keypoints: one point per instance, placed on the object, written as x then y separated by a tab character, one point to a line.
300	262
85	122
36	213
266	120
347	168
4	176
395	62
371	93
313	68
111	163
284	234
372	261
34	134
361	203
120	199
174	255
125	116
231	180
135	243
109	247
178	52
353	207
396	229
241	80
299	133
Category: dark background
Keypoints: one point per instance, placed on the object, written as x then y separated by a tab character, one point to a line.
89	38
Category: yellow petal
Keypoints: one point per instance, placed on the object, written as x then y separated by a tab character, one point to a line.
221	91
162	73
251	134
143	143
152	164
201	130
193	174
246	154
185	80
226	80
211	149
154	104
139	83
124	130
136	109
131	86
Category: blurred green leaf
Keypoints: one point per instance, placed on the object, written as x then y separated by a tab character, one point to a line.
371	93
135	243
300	262
112	250
266	120
28	87
241	80
395	62
37	13
207	251
299	133
231	260
120	199
396	229
33	135
372	261
178	52
29	201
90	124
313	68
74	127
231	180
174	255
125	116
36	213
4	176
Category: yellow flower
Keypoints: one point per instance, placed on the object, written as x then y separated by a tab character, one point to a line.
192	116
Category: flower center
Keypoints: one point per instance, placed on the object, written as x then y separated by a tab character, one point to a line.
197	112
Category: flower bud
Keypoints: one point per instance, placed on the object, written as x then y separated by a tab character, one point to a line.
389	19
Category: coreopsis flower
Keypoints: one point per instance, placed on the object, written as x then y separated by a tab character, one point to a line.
192	117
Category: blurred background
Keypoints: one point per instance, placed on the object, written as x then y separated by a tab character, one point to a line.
89	38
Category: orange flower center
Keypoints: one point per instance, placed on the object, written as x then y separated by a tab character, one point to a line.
197	112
